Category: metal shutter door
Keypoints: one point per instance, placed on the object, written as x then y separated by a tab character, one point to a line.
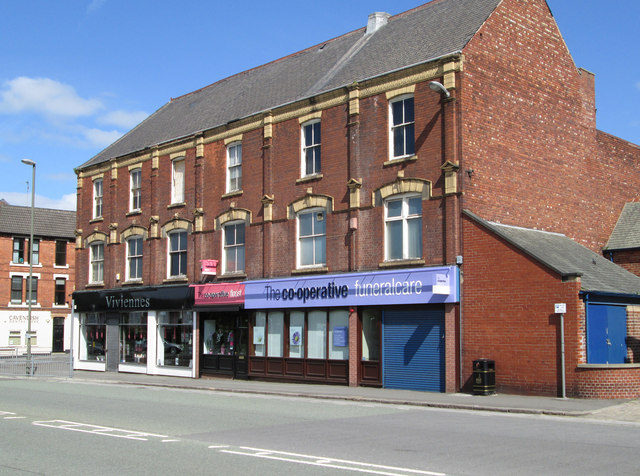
413	350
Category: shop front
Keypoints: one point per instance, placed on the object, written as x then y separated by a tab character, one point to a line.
222	328
387	328
139	330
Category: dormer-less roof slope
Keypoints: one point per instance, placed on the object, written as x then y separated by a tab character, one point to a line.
567	258
431	31
626	234
50	223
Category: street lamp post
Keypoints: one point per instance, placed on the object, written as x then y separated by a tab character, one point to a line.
33	194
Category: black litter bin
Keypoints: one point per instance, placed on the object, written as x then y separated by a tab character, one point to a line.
484	377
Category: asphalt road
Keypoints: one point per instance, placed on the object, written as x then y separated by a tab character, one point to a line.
63	427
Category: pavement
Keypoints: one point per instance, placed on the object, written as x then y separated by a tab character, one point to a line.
607	409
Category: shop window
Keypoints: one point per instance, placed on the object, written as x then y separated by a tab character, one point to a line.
16	289
96	267
296	334
61	253
178	254
275	336
133	337
402	127
339	335
219	338
258	345
370	335
234	167
33	297
312	238
93	332
403	228
311	139
134	258
175	338
60	298
97	198
14	338
135	195
234	240
18	250
317	335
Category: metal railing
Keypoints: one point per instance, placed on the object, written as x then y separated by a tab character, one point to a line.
42	364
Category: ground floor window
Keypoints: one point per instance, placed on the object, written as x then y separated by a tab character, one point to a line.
313	334
133	337
92	336
14	337
371	335
175	338
613	333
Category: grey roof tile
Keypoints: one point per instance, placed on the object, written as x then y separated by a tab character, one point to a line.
626	234
566	257
425	33
15	220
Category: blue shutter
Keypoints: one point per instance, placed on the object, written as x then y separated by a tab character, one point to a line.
413	350
606	334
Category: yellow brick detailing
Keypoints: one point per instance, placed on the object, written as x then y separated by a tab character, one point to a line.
400	91
236	138
309	117
310	201
133	231
232	215
401	186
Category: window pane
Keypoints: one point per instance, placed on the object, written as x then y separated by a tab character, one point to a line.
319	224
320	247
415	206
316	133
408	110
296	334
370	340
275	326
317	335
306	224
240	259
258	334
415	238
409	147
306	252
339	335
398	141
394	240
394	208
396	112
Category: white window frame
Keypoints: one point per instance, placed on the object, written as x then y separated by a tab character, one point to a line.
135	194
97	198
314	147
137	257
405	127
93	261
234	166
313	237
56	280
405	218
235	247
171	252
22	287
24	251
178	171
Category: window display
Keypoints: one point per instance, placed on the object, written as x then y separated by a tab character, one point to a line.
133	337
175	338
93	332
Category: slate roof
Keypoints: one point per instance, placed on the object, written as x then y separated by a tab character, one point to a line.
567	258
626	234
50	223
425	33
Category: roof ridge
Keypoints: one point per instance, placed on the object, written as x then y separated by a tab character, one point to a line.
525	228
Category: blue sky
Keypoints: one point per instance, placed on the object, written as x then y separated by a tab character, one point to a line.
77	74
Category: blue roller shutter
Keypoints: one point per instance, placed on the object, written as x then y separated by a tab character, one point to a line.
413	350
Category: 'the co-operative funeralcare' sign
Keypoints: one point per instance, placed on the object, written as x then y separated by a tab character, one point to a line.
218	294
411	286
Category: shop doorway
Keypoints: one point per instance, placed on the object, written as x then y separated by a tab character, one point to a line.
224	344
58	335
113	342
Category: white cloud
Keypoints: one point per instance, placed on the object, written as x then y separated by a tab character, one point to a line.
124	119
95	5
100	138
66	202
45	96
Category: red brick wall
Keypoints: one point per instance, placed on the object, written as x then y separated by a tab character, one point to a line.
528	124
608	383
508	316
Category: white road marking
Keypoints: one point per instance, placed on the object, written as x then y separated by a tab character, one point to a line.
334	463
98	430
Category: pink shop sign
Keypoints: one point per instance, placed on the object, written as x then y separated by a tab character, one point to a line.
218	294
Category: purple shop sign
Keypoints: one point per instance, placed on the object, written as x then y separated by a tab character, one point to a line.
409	286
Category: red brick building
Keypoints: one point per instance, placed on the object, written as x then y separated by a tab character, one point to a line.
350	195
53	274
